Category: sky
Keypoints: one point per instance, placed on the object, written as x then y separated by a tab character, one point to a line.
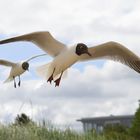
95	88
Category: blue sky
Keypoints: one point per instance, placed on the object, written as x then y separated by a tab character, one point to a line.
92	88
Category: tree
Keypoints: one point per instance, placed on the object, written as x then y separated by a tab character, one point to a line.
115	128
23	119
135	129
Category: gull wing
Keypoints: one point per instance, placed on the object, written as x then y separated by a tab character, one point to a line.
33	57
7	63
43	40
116	52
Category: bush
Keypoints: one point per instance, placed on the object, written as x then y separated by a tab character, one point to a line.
118	136
23	119
135	129
115	128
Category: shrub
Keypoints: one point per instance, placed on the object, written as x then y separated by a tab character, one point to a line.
23	119
115	128
135	129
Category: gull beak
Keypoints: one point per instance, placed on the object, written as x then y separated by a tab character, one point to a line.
88	53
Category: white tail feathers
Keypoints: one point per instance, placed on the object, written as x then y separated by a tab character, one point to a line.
9	79
45	71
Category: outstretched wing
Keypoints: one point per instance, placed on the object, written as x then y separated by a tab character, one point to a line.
116	52
35	57
44	40
7	63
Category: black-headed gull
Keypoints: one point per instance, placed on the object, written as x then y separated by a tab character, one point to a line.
64	56
17	68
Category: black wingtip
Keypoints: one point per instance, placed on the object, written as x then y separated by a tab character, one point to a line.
7	41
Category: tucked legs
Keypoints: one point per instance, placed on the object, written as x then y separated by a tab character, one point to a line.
19	81
51	77
57	81
14	82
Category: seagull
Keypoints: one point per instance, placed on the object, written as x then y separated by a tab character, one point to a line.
64	56
17	68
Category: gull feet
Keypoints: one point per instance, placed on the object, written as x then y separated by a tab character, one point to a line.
15	85
14	81
57	82
50	79
19	83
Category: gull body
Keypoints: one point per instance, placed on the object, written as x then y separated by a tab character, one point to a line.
64	60
17	69
65	57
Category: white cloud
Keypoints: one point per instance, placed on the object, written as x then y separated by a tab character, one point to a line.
113	89
72	21
70	18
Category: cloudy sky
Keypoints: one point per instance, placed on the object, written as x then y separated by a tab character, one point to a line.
98	88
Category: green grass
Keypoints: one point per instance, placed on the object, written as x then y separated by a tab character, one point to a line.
35	132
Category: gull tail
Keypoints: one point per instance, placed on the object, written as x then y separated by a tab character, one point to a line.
45	71
9	79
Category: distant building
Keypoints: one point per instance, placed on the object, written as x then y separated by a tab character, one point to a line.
98	123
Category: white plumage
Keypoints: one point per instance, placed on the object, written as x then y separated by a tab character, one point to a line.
17	69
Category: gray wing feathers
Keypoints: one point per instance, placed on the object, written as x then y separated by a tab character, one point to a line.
44	40
7	63
116	52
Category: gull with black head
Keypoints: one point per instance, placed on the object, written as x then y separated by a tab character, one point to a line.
64	57
17	68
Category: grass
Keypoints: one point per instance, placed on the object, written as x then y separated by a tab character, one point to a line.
38	132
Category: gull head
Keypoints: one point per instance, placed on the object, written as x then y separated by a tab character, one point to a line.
25	65
82	49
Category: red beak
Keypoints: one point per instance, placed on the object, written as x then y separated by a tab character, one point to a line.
88	53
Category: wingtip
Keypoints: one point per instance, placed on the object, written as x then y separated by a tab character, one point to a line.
9	40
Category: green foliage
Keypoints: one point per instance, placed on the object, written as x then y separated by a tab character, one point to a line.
117	132
39	132
135	129
115	128
25	129
118	136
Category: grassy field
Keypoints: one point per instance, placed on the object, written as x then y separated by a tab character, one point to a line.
35	132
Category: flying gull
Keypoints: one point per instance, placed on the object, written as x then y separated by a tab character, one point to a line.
17	68
65	56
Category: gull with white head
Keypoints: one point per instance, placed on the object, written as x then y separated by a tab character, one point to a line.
17	68
65	57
